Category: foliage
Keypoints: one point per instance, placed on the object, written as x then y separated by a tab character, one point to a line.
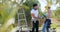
8	10
57	14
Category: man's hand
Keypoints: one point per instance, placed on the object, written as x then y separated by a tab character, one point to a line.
32	14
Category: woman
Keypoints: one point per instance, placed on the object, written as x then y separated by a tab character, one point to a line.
47	22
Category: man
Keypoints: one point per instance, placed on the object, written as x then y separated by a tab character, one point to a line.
34	15
47	22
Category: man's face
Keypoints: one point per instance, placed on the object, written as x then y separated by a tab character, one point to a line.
36	7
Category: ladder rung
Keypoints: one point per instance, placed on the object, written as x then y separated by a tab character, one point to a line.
23	26
21	19
25	29
20	13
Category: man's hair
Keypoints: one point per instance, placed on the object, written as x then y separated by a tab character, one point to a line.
34	5
48	7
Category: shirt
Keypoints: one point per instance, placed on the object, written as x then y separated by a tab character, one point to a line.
35	13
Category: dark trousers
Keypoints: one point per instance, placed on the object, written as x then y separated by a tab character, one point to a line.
35	26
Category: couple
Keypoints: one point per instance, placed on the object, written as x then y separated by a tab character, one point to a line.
34	15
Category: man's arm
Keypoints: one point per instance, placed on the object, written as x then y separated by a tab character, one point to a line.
32	14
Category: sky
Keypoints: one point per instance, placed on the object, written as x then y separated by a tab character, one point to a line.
44	3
